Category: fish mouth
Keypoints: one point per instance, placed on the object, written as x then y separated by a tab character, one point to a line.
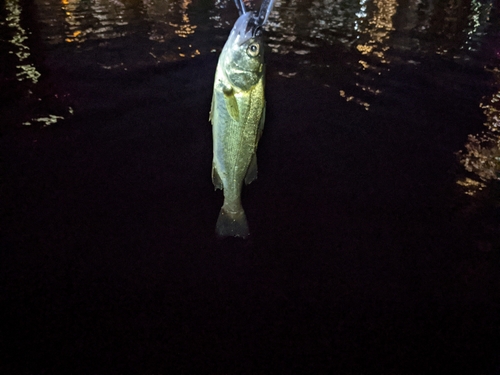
253	28
259	17
250	23
246	28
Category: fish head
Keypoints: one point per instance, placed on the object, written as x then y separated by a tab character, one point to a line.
243	53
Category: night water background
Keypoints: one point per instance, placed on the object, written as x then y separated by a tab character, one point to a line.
375	219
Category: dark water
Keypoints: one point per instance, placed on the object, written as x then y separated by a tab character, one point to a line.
375	234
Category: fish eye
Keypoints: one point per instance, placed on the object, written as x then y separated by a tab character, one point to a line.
253	49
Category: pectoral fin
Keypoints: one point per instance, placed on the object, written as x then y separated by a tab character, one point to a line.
216	180
252	170
231	103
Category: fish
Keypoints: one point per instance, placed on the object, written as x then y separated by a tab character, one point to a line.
237	114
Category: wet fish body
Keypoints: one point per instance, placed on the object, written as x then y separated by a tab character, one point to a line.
237	116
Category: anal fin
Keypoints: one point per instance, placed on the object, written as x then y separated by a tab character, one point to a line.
216	180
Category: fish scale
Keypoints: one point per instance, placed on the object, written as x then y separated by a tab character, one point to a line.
237	116
236	140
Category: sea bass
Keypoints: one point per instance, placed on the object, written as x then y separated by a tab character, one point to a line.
237	115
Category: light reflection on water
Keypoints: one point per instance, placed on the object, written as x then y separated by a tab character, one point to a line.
478	20
376	30
371	26
77	21
376	35
25	69
27	72
482	151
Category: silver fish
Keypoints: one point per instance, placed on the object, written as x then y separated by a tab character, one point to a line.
237	115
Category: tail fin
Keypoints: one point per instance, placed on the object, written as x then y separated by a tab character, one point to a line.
232	224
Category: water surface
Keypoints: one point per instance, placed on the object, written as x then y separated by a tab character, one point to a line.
374	221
